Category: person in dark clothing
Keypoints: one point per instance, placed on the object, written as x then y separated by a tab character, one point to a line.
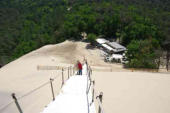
79	68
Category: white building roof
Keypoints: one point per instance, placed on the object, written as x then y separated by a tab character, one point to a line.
117	47
107	47
111	46
101	40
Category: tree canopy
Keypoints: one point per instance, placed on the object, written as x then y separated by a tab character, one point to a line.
29	24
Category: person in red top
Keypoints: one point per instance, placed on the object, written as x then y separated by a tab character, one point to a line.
79	68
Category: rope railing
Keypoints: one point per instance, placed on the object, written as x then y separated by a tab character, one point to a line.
94	94
39	87
87	92
5	106
30	92
15	99
71	71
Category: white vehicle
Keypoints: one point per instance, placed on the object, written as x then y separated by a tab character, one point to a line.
117	57
124	59
108	59
114	58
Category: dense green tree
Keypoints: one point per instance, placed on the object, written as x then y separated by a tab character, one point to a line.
91	38
26	25
143	54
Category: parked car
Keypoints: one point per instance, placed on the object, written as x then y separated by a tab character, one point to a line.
108	59
124	59
114	58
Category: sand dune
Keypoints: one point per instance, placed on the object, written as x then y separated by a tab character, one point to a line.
134	92
124	91
22	76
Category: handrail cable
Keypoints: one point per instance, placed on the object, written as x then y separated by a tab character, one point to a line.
28	93
87	91
5	106
98	100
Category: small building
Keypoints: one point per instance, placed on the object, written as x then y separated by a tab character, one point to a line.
110	47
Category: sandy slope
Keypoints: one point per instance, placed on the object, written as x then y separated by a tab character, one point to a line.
134	92
123	90
21	75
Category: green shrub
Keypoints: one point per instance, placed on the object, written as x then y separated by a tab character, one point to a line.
91	38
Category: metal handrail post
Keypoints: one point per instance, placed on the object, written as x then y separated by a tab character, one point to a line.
73	70
100	98
68	72
93	92
16	102
52	90
62	76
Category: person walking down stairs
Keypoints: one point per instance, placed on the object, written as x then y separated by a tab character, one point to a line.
79	68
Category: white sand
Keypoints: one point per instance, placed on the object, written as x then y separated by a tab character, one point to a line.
124	91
